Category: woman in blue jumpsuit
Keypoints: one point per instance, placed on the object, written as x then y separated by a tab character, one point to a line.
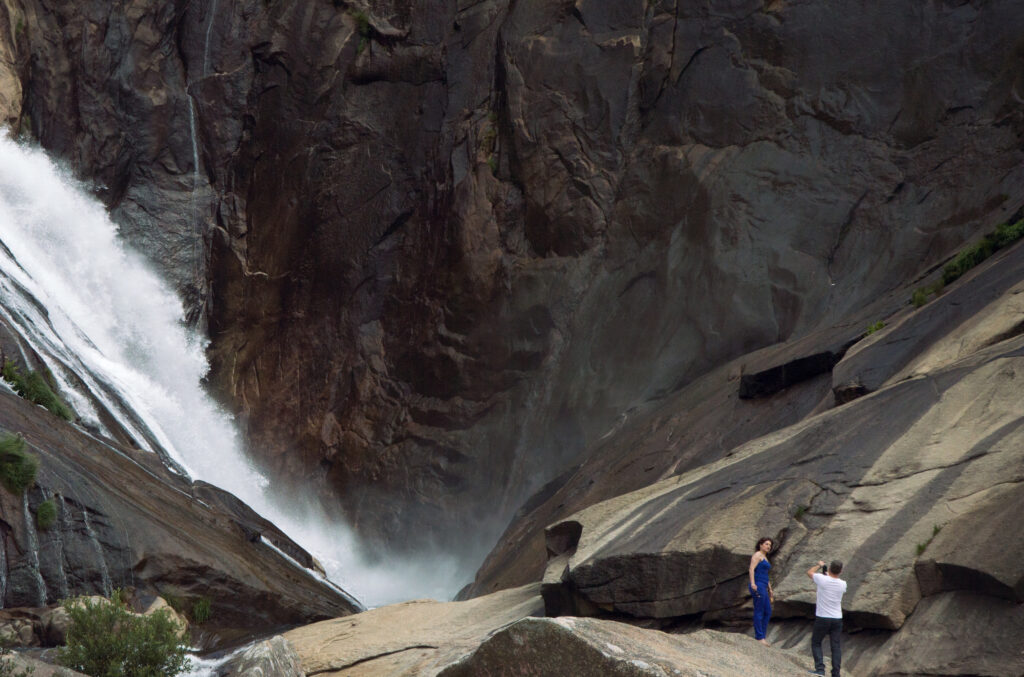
761	588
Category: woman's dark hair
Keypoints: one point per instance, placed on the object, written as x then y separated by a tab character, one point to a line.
761	541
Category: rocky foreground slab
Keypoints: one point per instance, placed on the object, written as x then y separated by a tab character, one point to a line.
500	634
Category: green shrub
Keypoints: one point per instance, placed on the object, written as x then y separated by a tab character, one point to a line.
173	600
11	373
201	610
363	28
17	467
46	514
800	511
875	327
1004	235
967	259
106	640
1008	233
36	389
920	297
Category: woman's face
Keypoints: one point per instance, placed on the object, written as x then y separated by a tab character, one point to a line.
766	547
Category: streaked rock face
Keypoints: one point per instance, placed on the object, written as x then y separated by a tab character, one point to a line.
444	250
123	521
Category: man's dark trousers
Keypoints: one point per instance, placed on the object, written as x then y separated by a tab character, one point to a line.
831	627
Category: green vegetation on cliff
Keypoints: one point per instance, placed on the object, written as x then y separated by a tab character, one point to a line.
17	466
1003	236
46	514
36	388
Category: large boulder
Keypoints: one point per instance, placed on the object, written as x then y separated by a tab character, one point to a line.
954	634
272	657
412	638
585	646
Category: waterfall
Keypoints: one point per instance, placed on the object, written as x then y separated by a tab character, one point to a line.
113	334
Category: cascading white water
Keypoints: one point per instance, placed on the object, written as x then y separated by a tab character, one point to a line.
113	324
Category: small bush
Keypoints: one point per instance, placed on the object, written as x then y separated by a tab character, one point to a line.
106	640
363	29
920	297
38	390
875	327
173	600
17	467
1008	233
201	610
800	511
967	259
921	548
35	388
1004	235
46	514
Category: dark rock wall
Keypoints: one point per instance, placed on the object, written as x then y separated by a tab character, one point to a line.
443	248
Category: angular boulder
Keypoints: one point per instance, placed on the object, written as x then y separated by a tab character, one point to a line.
586	646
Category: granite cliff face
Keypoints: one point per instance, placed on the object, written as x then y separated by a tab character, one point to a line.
444	248
616	257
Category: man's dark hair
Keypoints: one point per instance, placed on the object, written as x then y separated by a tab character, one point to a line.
835	567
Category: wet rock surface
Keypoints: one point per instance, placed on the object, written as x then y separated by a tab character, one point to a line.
263	659
123	522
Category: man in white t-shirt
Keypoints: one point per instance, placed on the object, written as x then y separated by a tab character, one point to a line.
828	615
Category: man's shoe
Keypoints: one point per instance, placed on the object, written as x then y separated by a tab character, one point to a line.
818	672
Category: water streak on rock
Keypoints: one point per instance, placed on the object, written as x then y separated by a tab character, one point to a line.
60	528
33	550
101	560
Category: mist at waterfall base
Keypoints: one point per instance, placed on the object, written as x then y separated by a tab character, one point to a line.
110	321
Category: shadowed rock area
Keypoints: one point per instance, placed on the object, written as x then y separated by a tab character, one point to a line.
911	486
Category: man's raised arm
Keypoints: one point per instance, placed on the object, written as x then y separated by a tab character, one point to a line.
814	569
